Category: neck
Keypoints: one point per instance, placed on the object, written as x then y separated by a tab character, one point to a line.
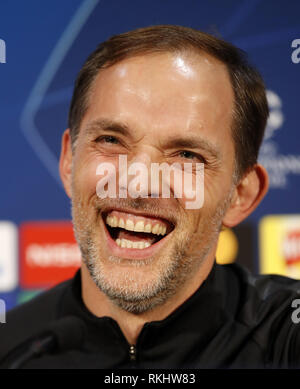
131	324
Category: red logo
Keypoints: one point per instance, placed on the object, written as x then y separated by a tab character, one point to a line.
49	253
291	247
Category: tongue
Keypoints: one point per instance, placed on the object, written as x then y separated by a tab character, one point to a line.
137	236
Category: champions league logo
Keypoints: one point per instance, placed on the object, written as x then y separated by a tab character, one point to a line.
279	166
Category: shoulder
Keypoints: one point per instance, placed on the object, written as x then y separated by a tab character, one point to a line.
31	317
264	306
264	285
264	290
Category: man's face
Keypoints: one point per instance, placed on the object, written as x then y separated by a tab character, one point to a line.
153	108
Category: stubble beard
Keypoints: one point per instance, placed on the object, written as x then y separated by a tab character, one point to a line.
169	273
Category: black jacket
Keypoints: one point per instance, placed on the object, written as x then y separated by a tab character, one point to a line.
234	320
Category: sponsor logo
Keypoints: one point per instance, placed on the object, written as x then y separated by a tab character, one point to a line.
26	295
49	253
237	245
227	248
279	241
291	246
279	166
8	257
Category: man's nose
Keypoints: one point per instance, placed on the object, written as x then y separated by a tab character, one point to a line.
139	175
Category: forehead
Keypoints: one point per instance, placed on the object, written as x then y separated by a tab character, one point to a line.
164	92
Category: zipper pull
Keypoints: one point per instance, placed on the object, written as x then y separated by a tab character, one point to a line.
132	353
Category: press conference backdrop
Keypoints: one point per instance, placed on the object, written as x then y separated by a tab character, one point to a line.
43	45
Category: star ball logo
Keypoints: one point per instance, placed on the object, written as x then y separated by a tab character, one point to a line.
296	52
2	51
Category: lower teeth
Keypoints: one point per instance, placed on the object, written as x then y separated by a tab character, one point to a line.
124	243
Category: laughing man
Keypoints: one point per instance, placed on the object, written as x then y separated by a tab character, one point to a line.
149	293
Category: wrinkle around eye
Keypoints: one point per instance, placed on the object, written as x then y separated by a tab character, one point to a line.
115	147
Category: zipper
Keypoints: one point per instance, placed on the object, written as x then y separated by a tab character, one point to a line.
132	353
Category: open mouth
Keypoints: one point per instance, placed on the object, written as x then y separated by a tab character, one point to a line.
135	231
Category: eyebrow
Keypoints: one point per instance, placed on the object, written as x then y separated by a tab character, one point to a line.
107	125
195	143
192	142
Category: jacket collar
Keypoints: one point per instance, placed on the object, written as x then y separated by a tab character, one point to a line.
172	341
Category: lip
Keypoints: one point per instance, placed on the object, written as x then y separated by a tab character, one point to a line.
142	214
133	253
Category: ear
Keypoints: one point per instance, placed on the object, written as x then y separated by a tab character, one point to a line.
247	195
65	162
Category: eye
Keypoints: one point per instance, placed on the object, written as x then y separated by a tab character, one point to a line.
107	139
188	154
192	156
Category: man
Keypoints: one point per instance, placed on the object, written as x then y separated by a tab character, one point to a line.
149	293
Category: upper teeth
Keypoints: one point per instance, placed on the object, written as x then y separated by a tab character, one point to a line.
139	226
